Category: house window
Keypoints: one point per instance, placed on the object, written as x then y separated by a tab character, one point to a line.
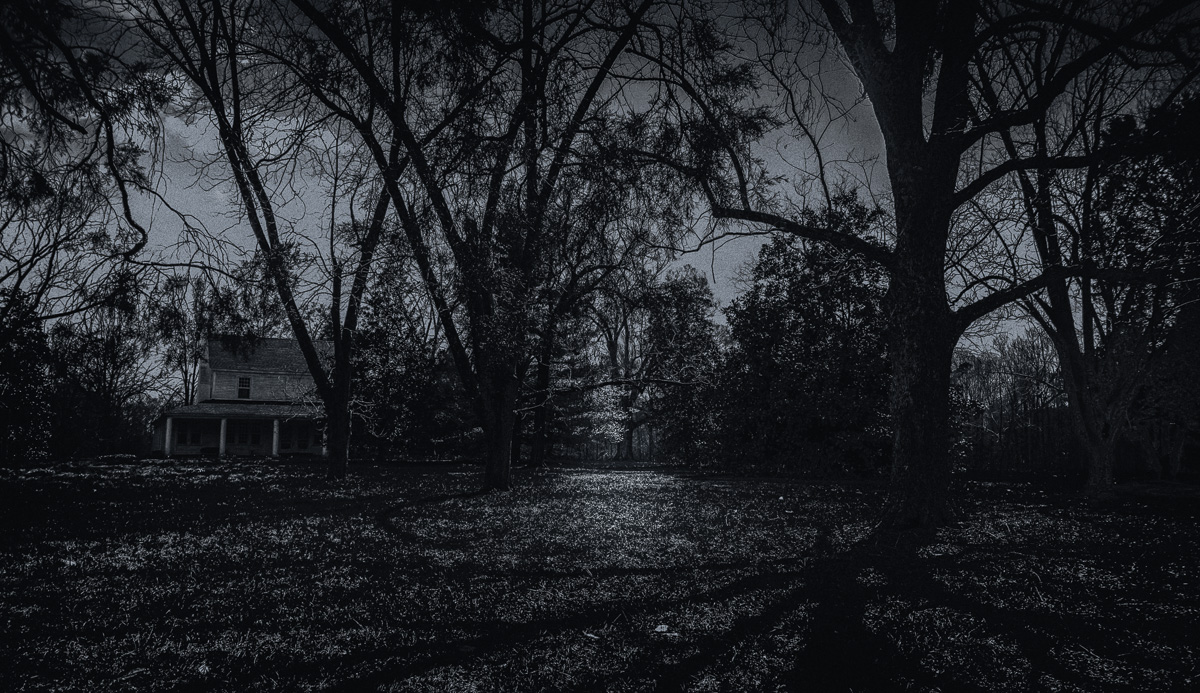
247	433
244	387
187	432
302	439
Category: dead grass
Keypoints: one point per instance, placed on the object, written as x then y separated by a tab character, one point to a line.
260	576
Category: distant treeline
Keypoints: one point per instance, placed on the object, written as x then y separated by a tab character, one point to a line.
793	380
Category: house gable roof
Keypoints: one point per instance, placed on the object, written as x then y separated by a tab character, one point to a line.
260	355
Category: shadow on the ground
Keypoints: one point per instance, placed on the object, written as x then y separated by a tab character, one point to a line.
840	653
428	533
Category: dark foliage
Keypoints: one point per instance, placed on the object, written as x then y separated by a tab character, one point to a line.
1148	210
103	384
1010	411
409	403
24	383
805	383
684	357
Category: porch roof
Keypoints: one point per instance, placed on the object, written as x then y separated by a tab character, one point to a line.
241	410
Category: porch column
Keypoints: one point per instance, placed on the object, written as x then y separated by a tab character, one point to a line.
275	439
169	440
224	427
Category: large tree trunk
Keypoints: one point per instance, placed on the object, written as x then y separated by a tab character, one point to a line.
497	473
922	336
498	428
337	416
627	439
338	440
1099	443
541	412
1097	437
921	349
1101	464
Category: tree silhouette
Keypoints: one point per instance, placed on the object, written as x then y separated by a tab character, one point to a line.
268	132
945	82
487	111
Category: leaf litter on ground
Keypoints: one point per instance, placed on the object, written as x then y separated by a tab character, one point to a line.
258	575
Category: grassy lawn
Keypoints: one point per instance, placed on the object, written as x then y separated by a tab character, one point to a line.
261	576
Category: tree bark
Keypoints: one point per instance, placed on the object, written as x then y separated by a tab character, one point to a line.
922	329
337	416
1101	465
338	432
499	423
497	475
541	412
517	440
1097	436
921	350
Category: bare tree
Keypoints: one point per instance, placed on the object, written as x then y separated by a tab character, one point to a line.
490	109
75	110
945	81
1135	212
268	129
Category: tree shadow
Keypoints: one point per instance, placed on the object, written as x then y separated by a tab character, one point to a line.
840	654
391	664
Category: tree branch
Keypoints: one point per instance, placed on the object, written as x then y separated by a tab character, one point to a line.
868	249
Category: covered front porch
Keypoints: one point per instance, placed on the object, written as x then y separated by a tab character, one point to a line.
238	430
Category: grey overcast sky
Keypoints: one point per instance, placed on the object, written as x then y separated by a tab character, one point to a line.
851	146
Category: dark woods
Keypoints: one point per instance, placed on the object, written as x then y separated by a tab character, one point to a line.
483	212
